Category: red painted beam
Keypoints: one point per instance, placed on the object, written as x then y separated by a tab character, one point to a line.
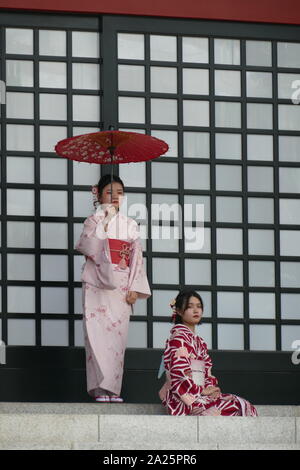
268	11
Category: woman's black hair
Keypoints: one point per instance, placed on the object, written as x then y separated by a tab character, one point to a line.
107	179
182	300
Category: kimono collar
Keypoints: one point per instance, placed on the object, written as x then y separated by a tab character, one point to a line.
182	329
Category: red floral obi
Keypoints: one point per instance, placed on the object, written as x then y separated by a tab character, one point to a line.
119	252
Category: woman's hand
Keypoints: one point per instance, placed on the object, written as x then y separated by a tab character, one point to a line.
131	297
211	391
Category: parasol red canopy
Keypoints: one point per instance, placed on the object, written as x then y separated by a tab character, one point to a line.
111	147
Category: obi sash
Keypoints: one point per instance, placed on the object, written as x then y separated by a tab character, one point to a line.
119	252
198	371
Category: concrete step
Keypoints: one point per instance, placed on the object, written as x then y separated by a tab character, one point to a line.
122	408
132	427
82	408
76	446
170	446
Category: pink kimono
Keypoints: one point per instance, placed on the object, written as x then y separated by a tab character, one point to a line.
188	370
105	286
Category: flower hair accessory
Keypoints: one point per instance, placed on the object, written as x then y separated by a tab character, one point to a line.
172	305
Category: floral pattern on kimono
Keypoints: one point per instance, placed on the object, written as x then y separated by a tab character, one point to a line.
180	394
105	287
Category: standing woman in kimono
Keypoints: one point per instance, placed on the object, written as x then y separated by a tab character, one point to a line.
113	278
190	388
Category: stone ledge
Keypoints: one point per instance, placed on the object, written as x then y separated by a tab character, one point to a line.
77	446
134	430
121	409
169	446
82	408
206	429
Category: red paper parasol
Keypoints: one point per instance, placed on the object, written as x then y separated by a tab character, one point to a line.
108	147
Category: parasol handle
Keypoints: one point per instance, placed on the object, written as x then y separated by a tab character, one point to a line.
111	151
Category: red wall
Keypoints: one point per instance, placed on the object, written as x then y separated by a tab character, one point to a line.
270	11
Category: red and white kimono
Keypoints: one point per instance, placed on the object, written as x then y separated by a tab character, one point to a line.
188	371
114	266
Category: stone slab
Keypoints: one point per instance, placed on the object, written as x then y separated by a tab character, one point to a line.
142	429
82	408
135	431
48	429
122	409
154	446
242	430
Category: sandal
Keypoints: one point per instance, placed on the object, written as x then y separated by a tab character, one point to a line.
102	399
116	399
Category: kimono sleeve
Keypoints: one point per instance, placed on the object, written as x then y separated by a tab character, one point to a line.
97	269
89	244
209	378
138	281
180	372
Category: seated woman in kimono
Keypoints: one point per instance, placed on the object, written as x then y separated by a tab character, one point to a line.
113	278
190	388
